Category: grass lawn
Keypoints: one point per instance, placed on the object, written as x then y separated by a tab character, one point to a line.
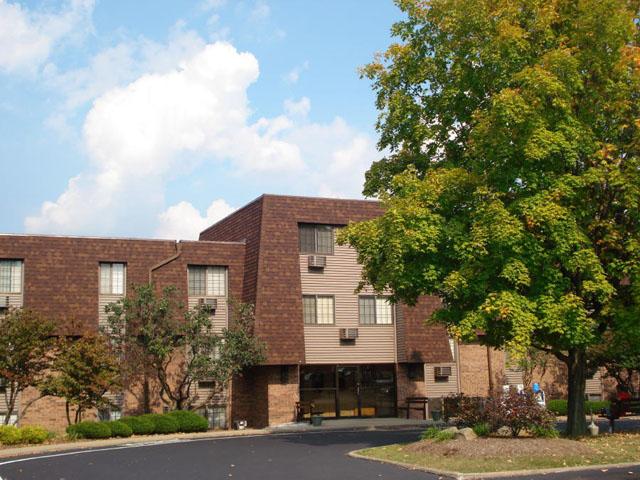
503	454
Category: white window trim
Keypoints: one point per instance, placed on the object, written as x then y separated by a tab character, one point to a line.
15	264
207	287
110	289
375	323
316	296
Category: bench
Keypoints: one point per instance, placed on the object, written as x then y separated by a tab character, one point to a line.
423	405
304	408
620	408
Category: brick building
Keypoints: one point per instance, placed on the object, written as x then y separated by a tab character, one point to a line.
352	354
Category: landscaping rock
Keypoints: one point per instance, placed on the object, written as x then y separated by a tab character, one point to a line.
503	432
451	430
466	434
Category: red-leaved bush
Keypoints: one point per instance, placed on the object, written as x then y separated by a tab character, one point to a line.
516	411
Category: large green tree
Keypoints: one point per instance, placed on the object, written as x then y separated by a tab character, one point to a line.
511	182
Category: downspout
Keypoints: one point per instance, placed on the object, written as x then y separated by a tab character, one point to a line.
166	260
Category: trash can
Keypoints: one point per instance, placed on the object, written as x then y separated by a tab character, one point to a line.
436	415
316	420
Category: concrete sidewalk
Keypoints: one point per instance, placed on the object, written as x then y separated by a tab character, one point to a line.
327	425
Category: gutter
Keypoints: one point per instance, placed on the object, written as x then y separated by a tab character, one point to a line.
166	260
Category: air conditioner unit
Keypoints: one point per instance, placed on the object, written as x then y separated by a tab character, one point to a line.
317	261
442	371
210	304
348	333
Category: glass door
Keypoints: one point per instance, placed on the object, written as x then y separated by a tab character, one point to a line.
348	391
377	391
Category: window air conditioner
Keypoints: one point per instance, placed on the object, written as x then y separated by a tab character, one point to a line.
348	333
317	261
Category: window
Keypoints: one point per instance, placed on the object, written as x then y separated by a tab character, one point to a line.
441	374
375	311
318	309
112	278
316	239
10	276
415	371
207	281
206	384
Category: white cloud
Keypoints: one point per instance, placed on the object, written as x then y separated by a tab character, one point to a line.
162	125
121	64
293	75
337	155
27	37
300	108
183	221
161	110
260	11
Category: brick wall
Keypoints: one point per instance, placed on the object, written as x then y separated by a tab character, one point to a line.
474	378
406	387
61	281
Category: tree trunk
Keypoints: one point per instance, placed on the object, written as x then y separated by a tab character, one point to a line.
146	397
576	366
66	410
490	372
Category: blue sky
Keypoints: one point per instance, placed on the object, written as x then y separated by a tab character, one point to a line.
156	118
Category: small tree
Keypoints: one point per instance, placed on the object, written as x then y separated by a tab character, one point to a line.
83	371
178	346
25	344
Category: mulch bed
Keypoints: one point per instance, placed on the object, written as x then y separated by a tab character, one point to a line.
501	447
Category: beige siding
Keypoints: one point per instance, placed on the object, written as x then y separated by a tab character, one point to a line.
103	301
375	343
202	394
513	374
219	318
441	389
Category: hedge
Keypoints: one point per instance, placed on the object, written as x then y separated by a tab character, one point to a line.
89	429
140	425
189	421
163	423
12	435
119	429
559	407
177	421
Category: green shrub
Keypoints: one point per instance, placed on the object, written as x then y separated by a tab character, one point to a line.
10	435
430	433
33	434
434	433
559	407
189	421
162	423
119	429
596	406
140	425
543	432
482	429
89	429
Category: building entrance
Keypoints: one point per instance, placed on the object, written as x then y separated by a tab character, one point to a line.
340	391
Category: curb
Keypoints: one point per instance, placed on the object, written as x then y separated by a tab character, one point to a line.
500	474
148	440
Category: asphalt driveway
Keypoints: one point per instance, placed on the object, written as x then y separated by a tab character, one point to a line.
307	456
